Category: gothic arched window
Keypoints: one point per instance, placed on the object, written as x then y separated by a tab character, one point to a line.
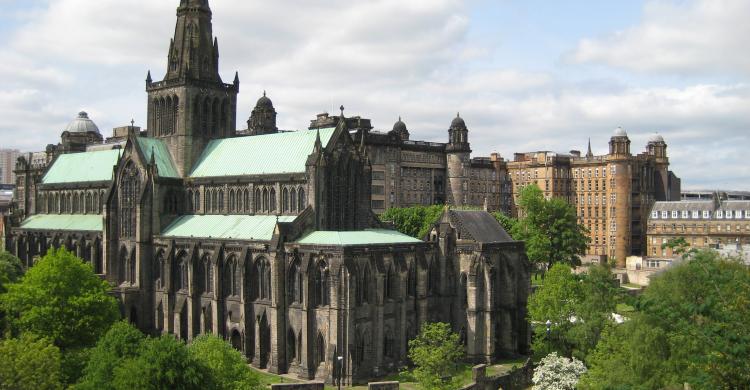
320	350
295	282
322	285
230	281
265	200
221	201
197	197
293	207
158	271
189	198
263	272
411	281
257	201
129	191
301	205
364	290
180	272
285	200
390	283
246	195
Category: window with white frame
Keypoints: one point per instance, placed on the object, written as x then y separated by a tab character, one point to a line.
675	214
655	214
747	214
614	169
665	214
728	214
685	214
696	214
706	214
719	213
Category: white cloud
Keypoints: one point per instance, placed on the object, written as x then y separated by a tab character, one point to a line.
691	37
380	59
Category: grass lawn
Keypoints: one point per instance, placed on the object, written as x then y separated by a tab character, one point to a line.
536	279
624	308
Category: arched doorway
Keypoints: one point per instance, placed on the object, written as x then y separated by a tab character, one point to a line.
236	340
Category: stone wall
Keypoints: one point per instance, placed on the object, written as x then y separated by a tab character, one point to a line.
516	379
298	386
382	386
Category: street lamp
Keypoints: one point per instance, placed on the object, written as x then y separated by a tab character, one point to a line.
340	360
549	327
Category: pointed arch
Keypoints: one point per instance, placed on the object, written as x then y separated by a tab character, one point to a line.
180	272
293	207
129	192
246	196
301	201
272	195
320	350
295	284
257	201
285	200
321	283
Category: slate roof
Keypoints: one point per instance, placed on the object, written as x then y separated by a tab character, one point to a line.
159	149
260	154
240	227
479	226
362	237
64	222
82	167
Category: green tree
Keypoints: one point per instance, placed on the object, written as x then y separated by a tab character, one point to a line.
694	318
27	363
10	270
61	298
162	363
413	221
122	341
579	308
226	365
436	352
549	228
557	373
505	221
679	246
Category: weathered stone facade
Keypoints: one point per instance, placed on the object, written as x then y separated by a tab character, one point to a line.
267	239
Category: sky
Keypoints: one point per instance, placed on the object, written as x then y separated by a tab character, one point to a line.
525	75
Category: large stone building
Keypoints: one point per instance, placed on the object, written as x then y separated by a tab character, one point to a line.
265	237
612	193
709	223
8	159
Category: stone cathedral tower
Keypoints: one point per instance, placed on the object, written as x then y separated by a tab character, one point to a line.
191	105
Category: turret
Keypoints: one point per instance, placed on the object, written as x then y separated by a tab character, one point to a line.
263	118
459	163
619	144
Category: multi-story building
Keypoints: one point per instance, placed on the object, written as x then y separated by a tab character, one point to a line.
710	223
267	237
7	164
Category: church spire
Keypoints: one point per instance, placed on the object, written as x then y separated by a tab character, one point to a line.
589	154
193	52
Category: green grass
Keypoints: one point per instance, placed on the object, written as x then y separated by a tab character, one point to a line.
624	308
536	280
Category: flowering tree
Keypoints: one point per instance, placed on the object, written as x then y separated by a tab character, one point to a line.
557	373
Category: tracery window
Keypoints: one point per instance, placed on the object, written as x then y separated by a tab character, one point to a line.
129	191
295	282
247	199
322	285
231	278
301	201
411	281
285	200
180	272
257	200
272	194
265	200
221	201
232	201
263	272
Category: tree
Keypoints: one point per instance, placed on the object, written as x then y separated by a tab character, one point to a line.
436	352
61	298
579	308
413	221
549	228
693	326
226	365
557	373
505	221
162	363
122	341
10	270
679	246
28	363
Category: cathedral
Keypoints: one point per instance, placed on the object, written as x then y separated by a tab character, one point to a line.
262	236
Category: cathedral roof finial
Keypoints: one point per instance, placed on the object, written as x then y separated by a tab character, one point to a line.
342	111
236	78
148	77
264	93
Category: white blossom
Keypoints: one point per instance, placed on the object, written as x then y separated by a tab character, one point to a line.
557	373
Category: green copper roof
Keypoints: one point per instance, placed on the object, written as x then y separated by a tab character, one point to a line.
163	159
362	237
241	227
82	167
260	154
63	222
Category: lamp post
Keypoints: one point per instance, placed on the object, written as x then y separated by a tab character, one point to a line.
340	360
549	328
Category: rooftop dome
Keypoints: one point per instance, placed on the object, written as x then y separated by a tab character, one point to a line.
619	132
458	121
264	102
399	126
82	124
656	138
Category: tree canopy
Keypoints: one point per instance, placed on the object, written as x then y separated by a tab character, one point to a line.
413	221
549	228
579	308
10	270
122	341
557	373
436	352
693	326
29	363
226	364
61	298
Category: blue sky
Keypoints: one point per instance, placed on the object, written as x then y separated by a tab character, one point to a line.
526	75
